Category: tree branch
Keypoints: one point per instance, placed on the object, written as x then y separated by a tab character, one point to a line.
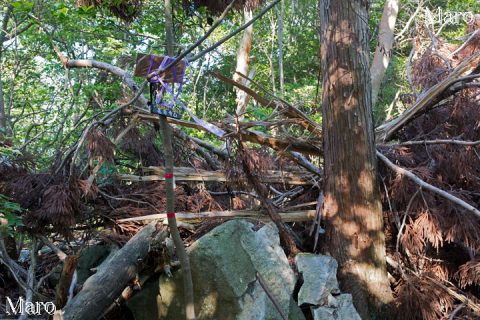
427	186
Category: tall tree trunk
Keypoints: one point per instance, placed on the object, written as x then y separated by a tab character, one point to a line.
352	205
243	61
166	130
280	48
3	116
383	52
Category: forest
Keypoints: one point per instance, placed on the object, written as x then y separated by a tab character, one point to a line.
239	159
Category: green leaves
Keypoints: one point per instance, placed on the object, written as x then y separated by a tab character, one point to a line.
9	215
22	5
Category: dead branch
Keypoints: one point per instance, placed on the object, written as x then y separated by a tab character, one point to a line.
192	174
235	32
301	160
262	191
101	289
61	293
289	109
190	217
279	144
386	130
15	270
438	141
212	162
288	144
460	297
60	254
427	186
31	277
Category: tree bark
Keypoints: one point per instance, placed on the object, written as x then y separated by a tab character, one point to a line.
280	48
243	61
352	205
3	116
101	289
383	53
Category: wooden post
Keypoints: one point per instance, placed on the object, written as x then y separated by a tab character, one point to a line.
166	130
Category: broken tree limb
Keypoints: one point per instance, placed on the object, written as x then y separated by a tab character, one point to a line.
191	217
192	174
438	141
276	143
386	130
427	186
249	170
304	162
102	288
212	162
286	144
61	292
289	109
124	75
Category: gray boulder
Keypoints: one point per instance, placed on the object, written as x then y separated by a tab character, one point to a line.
319	278
320	288
342	309
224	265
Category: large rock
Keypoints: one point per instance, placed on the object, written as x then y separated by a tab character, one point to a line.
224	265
320	288
341	309
319	278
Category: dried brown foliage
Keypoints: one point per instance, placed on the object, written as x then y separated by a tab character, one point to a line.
142	147
428	70
126	10
438	235
259	161
469	274
420	298
89	191
99	146
60	206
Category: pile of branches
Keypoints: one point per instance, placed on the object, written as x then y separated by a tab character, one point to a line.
433	242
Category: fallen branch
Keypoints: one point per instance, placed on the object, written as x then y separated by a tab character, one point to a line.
385	131
15	270
192	174
289	109
427	186
31	277
439	141
102	288
278	144
60	254
292	216
460	297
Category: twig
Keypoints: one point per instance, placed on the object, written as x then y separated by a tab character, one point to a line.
464	44
234	33
428	186
16	271
270	296
405	215
438	141
409	22
457	309
60	254
196	44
